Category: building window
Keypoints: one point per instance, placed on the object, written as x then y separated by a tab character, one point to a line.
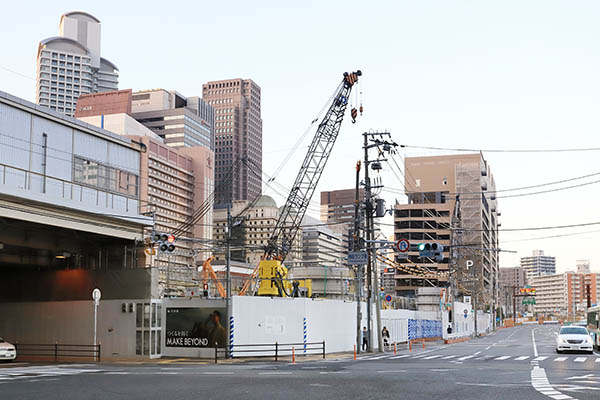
105	177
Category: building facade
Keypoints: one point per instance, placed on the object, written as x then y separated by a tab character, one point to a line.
254	224
70	64
431	184
565	295
176	181
238	135
513	277
538	264
181	121
323	261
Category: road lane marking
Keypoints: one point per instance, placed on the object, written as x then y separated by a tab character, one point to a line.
217	373
275	373
465	358
580	359
535	353
432	357
521	358
540	358
402	356
598	360
560	359
502	358
449	357
540	382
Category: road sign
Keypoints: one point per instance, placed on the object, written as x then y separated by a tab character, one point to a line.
403	245
388	298
96	295
357	258
466	313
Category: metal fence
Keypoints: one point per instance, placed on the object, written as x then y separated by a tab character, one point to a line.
59	350
275	350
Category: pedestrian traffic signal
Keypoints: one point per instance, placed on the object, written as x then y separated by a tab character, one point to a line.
205	290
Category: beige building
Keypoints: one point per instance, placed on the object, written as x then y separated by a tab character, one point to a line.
513	277
70	64
565	294
251	234
238	135
431	185
175	182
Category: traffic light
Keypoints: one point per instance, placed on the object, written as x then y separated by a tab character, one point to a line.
165	242
205	290
431	250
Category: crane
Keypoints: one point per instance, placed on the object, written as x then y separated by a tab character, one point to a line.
270	269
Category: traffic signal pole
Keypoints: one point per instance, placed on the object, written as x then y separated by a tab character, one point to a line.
228	277
368	210
356	247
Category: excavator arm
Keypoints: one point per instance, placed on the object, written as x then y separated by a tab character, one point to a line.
207	270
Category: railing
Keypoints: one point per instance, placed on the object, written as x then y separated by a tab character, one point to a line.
275	350
59	350
19	178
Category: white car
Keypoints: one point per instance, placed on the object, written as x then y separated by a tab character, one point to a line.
7	351
575	338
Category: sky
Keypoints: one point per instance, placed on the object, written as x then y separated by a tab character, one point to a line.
452	74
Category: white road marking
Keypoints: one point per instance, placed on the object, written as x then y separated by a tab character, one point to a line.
540	382
521	358
560	359
402	356
275	373
465	358
448	357
217	373
540	358
535	353
502	358
580	359
597	359
432	357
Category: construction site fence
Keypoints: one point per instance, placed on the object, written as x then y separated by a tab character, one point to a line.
58	351
275	350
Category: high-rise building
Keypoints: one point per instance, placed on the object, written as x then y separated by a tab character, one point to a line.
538	264
431	185
238	136
565	294
70	64
181	121
513	277
174	183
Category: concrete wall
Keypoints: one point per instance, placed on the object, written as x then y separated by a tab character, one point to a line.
71	322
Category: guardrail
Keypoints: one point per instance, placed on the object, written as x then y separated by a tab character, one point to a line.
275	350
59	350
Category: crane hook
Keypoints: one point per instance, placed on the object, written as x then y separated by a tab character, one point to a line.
353	114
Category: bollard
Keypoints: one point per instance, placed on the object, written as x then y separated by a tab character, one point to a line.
215	353
395	348
410	345
293	355
423	344
354	352
276	350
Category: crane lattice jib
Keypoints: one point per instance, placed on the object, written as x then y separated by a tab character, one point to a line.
284	233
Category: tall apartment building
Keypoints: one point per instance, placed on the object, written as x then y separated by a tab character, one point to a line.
174	182
431	185
323	260
181	121
70	64
238	135
513	277
565	294
583	266
538	264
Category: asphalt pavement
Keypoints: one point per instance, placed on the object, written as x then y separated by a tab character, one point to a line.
514	363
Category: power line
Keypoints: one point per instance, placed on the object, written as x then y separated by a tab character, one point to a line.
539	228
548	237
502	150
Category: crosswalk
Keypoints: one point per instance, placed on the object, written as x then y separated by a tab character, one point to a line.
44	371
479	357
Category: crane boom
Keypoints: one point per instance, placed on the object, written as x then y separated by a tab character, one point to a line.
290	218
292	213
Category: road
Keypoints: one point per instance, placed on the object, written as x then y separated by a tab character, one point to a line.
514	363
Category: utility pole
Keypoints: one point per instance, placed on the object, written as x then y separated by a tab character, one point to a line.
378	140
368	211
228	276
356	247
